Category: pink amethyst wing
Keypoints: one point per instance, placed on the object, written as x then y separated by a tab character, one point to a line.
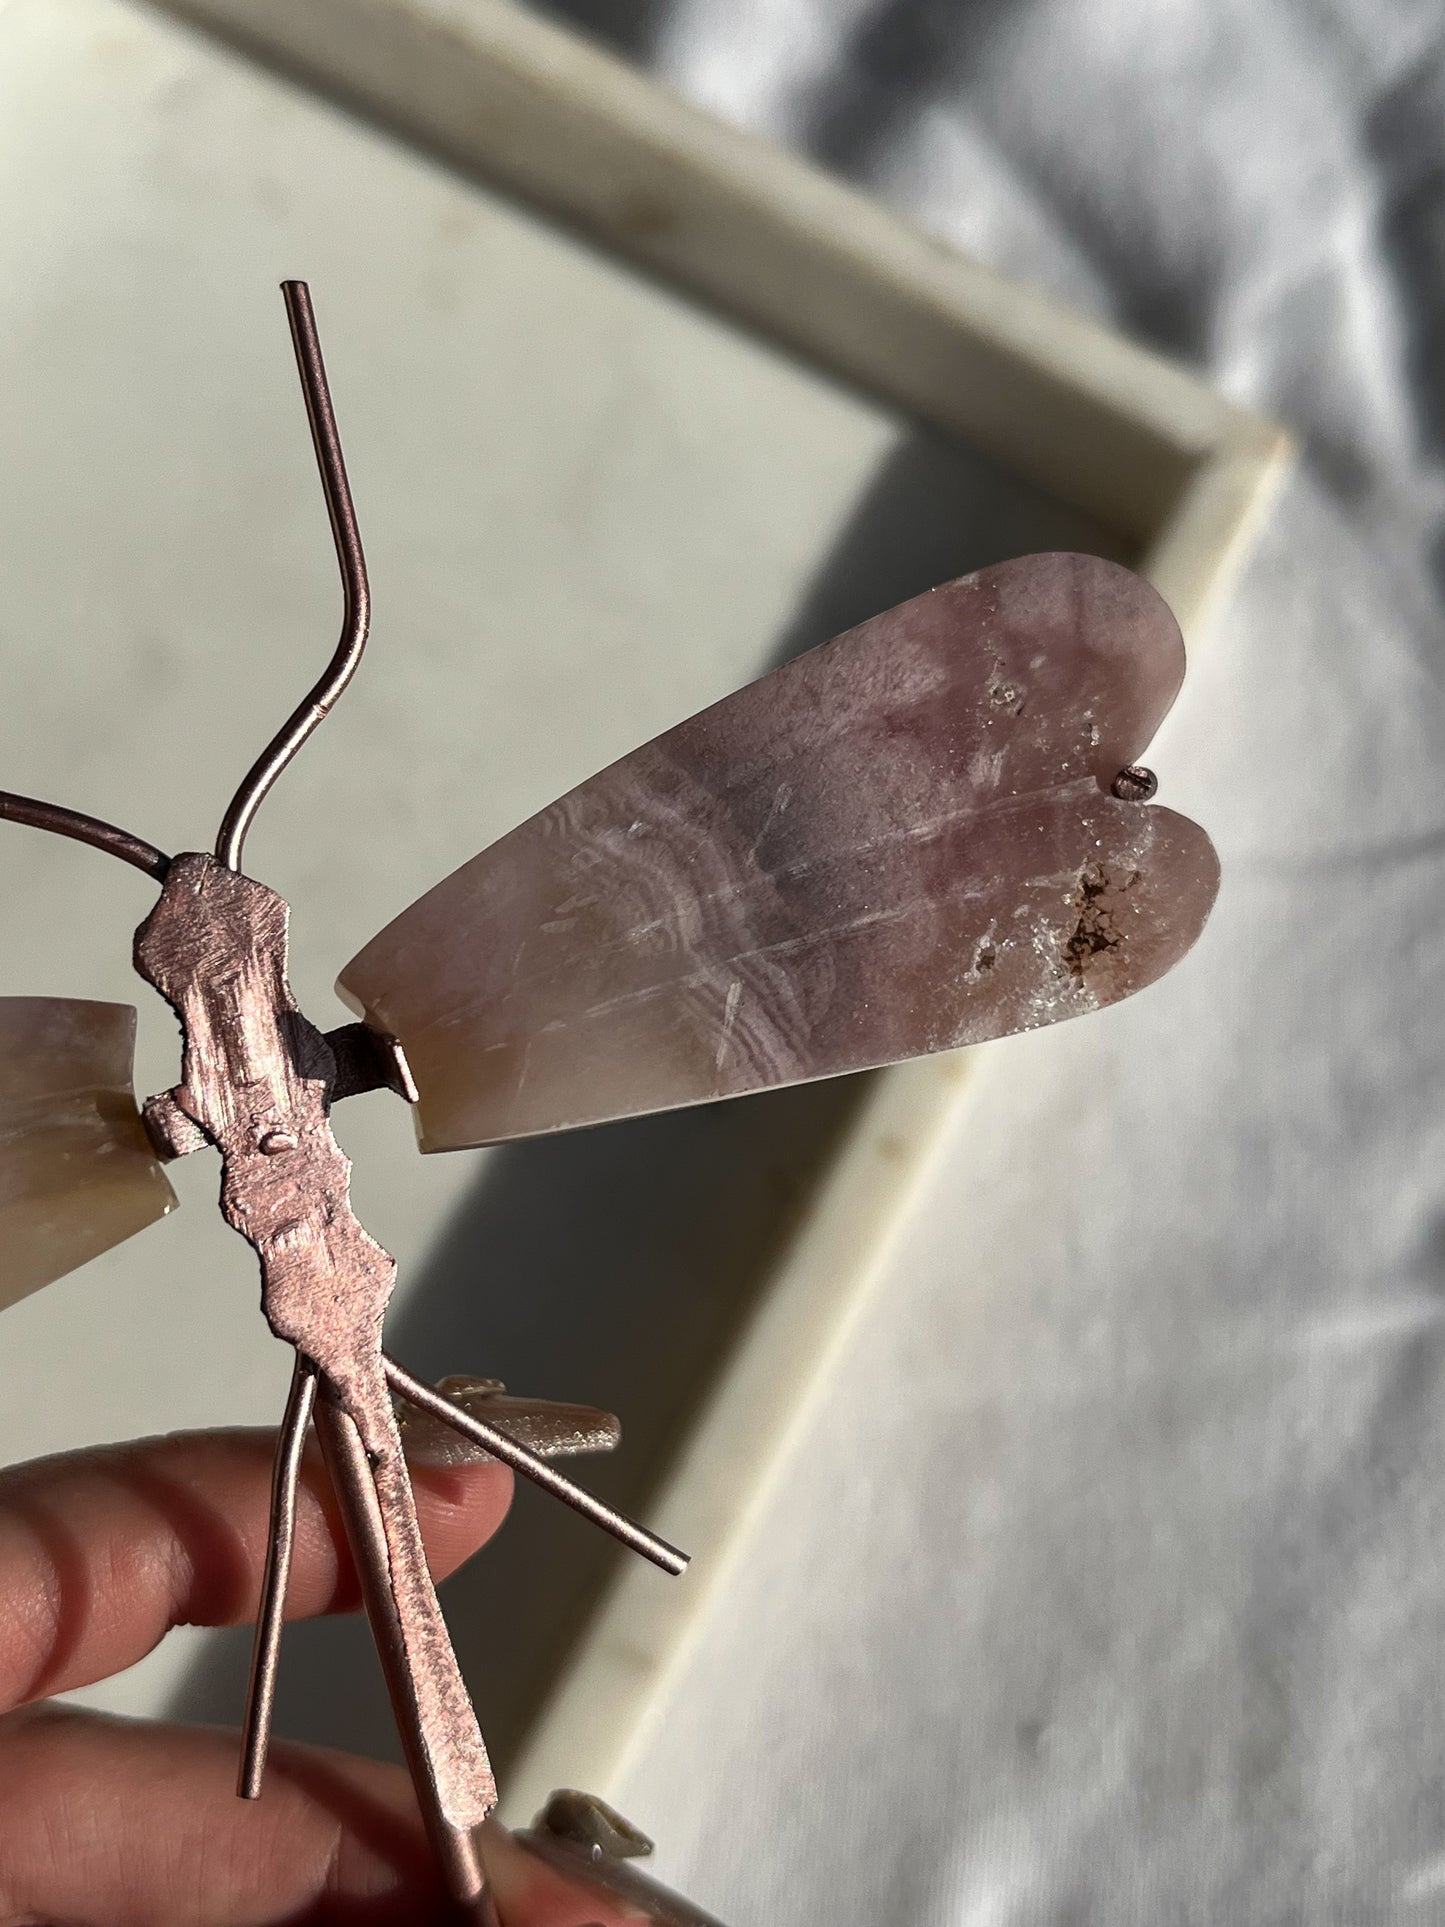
901	842
77	1171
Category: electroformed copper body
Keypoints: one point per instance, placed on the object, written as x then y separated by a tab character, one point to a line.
256	1082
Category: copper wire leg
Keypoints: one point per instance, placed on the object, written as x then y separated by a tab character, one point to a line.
502	1447
456	1848
266	1652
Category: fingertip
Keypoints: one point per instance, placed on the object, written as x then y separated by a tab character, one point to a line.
138	1826
460	1507
101	1552
527	1889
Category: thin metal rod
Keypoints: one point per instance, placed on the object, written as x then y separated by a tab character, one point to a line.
457	1848
505	1448
356	615
85	829
266	1649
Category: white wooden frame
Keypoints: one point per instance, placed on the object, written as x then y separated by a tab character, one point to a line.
1143	446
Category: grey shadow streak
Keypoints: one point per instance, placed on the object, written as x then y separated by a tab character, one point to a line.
894	63
904	58
629	28
620	1265
1403	145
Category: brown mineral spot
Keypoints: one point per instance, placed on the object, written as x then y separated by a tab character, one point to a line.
986	957
1096	932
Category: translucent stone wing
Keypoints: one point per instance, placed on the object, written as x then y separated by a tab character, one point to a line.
901	842
77	1172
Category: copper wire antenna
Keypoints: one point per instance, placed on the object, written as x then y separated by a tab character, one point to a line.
317	705
356	610
60	821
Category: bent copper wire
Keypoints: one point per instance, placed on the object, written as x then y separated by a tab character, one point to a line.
501	1446
60	821
317	705
356	609
271	1614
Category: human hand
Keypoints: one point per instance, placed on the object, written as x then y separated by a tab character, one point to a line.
113	1823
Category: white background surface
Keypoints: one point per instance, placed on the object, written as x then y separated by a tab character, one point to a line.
1105	1584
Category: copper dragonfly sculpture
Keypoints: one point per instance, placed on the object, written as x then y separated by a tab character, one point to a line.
930	831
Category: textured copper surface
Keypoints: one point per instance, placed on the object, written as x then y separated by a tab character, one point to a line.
255	1077
456	1784
901	842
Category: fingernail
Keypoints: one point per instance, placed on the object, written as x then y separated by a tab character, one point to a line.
578	1834
589	1822
549	1427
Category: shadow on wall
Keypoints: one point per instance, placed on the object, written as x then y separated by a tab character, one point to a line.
616	1265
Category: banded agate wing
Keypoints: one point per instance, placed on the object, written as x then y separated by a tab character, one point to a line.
77	1172
901	842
